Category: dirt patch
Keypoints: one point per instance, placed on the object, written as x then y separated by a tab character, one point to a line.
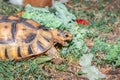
70	73
112	74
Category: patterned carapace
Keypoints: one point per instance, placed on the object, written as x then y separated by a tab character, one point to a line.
21	38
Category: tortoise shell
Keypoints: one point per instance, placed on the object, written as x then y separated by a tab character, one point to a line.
21	38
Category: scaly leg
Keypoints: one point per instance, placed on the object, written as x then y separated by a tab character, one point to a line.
53	53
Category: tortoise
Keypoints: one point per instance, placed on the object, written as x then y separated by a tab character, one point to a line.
22	38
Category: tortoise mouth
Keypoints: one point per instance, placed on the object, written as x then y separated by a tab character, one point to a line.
64	43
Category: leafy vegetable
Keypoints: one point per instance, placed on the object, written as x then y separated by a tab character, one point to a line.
43	16
92	73
63	19
111	51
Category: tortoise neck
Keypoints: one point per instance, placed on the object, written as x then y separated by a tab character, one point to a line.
54	34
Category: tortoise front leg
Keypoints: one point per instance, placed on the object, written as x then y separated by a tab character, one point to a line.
53	53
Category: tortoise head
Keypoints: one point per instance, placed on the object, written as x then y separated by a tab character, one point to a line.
61	36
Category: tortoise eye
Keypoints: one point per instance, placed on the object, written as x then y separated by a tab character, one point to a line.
66	35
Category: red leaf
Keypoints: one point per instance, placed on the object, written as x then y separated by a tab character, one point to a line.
81	21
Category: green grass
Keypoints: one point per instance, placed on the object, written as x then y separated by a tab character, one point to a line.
24	70
8	9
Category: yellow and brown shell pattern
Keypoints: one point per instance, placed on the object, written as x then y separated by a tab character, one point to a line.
20	38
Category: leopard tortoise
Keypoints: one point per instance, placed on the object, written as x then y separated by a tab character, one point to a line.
21	38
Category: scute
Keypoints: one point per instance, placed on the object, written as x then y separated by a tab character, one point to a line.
41	44
25	34
5	33
14	29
